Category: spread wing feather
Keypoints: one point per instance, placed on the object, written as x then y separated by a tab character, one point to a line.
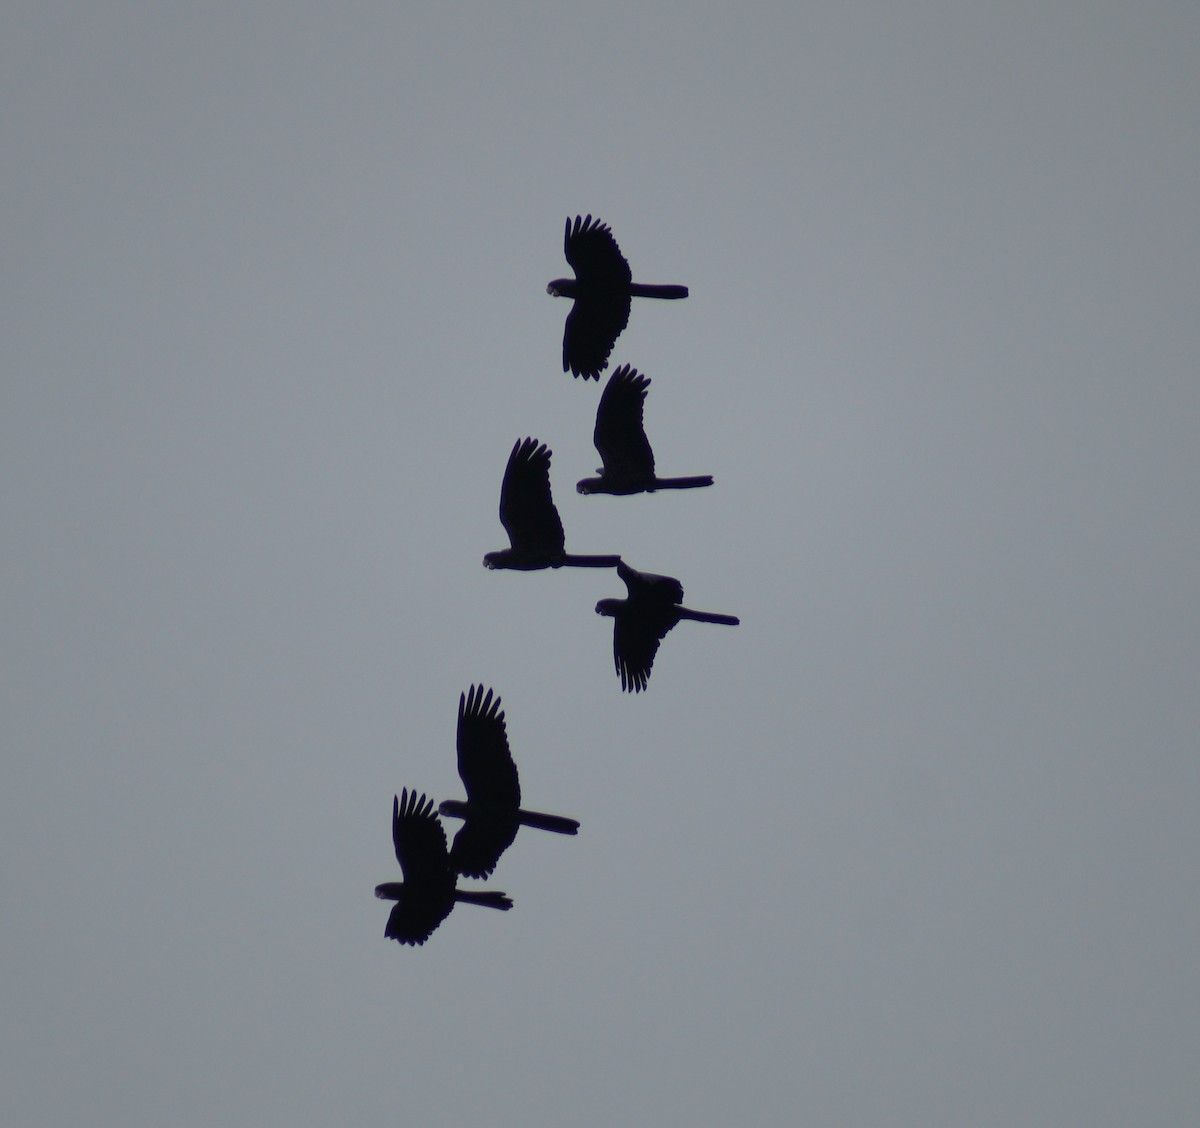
635	643
527	509
594	255
419	839
413	921
592	328
485	763
620	434
479	844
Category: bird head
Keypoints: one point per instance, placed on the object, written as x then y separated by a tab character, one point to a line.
609	607
587	485
562	288
454	808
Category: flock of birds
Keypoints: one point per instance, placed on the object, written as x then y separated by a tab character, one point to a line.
602	289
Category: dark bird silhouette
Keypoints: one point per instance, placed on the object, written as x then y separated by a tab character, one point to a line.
529	517
621	440
492	811
642	621
602	288
427	894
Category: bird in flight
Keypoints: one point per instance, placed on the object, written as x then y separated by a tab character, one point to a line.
492	811
621	440
602	288
529	517
427	894
642	621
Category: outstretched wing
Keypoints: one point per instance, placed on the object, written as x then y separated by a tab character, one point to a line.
479	844
592	328
635	643
413	920
527	510
419	839
620	435
647	589
484	760
594	255
601	309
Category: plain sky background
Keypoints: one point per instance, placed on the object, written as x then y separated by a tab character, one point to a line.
916	845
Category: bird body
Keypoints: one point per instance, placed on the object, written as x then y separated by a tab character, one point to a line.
492	811
642	621
429	889
530	518
620	437
602	288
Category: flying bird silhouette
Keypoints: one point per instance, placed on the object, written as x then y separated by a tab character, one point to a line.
529	517
642	621
427	894
492	811
602	289
621	440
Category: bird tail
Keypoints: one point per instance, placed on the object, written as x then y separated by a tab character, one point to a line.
559	824
646	290
489	898
692	483
709	617
573	561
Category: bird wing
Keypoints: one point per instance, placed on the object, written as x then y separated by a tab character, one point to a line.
419	839
635	643
594	255
593	325
527	510
479	844
620	435
484	760
413	920
648	589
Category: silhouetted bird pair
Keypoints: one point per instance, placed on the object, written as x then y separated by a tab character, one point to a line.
527	509
491	814
535	533
602	289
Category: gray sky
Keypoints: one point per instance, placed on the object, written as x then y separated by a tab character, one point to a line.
914	845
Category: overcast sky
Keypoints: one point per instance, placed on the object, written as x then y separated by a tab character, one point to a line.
915	845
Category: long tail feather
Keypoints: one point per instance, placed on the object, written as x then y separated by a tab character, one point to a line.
573	561
559	824
683	483
650	290
489	899
709	617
